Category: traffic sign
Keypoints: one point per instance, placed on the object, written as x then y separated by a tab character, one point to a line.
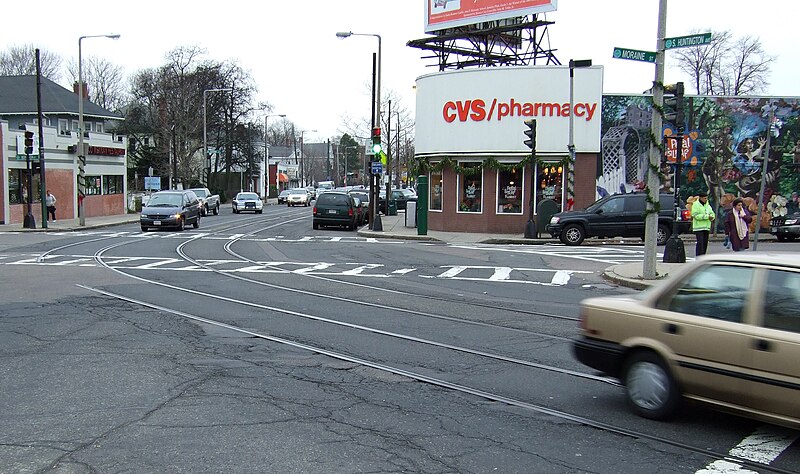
635	55
152	183
686	41
377	167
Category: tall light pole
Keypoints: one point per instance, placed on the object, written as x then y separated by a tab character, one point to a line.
206	157
571	145
377	105
266	152
303	157
81	151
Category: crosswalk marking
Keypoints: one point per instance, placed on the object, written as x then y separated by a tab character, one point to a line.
477	273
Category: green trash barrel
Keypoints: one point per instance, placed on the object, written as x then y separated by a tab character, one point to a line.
392	211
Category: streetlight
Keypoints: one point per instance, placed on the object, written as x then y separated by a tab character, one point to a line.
303	157
266	151
377	105
571	145
375	218
206	157
81	153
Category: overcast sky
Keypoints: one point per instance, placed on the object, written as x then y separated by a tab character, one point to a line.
304	71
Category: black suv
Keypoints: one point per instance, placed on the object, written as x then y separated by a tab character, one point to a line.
335	208
785	227
617	215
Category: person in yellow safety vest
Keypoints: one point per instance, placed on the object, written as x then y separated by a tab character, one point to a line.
702	216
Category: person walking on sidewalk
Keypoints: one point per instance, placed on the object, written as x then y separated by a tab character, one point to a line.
737	228
50	202
702	216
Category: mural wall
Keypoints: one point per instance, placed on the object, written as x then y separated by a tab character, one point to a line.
723	150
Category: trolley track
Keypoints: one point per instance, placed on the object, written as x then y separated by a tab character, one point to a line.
703	451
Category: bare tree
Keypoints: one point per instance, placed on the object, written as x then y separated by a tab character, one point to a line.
726	66
21	60
105	81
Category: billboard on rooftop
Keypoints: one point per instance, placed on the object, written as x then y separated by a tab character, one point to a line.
443	14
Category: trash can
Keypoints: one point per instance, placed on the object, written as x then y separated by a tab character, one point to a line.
392	211
411	214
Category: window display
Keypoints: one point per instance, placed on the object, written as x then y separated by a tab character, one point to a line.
470	189
509	192
435	184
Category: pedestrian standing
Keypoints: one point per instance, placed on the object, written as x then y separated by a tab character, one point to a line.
702	216
737	226
50	202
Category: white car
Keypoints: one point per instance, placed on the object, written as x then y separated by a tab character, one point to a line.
298	197
247	202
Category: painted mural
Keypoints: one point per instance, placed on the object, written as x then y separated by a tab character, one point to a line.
723	150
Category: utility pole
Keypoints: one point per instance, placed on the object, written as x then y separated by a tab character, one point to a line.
653	180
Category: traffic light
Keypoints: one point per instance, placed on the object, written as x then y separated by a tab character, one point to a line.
530	132
36	167
376	141
28	143
674	107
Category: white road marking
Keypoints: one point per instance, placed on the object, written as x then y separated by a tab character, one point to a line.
479	273
763	446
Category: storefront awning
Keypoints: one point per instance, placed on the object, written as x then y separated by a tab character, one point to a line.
282	178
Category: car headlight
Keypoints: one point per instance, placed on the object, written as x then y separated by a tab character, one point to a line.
178	216
554	219
790	221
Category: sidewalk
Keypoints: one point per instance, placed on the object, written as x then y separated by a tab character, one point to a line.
65	225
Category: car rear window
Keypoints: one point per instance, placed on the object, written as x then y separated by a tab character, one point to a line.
333	199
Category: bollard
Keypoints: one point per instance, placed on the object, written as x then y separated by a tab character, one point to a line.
422	205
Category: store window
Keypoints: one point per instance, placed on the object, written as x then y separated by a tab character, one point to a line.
18	187
112	184
509	192
93	185
470	189
549	180
435	185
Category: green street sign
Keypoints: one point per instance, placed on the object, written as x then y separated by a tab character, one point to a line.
686	41
635	55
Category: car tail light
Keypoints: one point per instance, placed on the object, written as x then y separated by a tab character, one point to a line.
315	210
350	212
686	215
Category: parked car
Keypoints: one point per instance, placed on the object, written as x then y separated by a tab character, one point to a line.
724	331
298	197
283	196
208	202
617	215
247	202
400	196
333	208
171	209
363	198
361	212
785	227
312	191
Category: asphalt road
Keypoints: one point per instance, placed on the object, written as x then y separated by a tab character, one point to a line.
256	344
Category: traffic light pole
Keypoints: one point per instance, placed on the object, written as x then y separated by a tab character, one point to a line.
530	132
42	180
674	251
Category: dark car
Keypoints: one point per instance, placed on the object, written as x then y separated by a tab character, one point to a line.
363	198
785	227
283	196
399	196
171	209
617	215
334	208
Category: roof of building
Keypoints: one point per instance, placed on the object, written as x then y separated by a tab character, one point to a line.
18	97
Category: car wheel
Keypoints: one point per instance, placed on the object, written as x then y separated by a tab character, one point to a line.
781	238
234	211
573	234
144	229
662	234
216	210
315	226
196	222
259	212
652	391
205	211
181	225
